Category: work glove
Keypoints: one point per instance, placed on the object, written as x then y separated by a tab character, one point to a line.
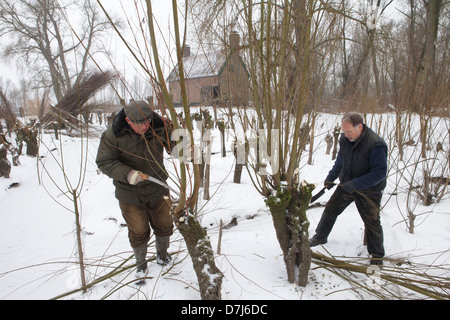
134	177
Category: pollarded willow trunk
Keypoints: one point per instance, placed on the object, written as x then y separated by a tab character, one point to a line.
199	248
297	208
5	165
288	210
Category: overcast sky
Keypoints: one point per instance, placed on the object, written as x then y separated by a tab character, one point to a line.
126	10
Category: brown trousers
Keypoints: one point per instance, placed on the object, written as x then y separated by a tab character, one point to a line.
140	218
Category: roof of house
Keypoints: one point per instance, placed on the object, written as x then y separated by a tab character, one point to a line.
202	65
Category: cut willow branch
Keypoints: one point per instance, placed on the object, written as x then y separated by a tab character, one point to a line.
421	283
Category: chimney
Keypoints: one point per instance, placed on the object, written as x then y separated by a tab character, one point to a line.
186	51
235	40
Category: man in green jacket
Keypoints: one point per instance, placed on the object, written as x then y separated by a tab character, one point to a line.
131	149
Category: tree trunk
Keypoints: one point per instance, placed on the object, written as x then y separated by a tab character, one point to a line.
240	153
426	72
300	239
206	178
199	248
399	134
5	165
207	138
32	144
311	141
278	205
424	134
329	141
237	173
288	209
222	139
28	134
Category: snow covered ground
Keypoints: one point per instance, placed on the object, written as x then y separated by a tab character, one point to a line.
38	255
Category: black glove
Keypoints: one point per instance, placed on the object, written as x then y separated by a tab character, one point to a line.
328	184
349	187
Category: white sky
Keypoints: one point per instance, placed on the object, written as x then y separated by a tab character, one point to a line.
126	10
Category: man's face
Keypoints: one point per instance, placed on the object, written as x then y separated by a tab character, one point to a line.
139	128
352	133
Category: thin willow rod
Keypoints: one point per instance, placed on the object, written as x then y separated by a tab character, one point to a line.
406	283
109	275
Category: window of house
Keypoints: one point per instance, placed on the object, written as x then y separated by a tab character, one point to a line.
209	92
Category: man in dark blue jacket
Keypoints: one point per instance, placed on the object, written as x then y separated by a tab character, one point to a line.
361	166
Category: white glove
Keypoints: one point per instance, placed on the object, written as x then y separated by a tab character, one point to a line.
134	177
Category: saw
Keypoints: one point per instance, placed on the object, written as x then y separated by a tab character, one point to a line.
322	192
318	195
157	181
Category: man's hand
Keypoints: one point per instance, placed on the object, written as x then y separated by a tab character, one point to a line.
134	177
328	184
349	187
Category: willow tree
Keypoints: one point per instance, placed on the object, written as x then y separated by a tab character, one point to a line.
282	57
287	46
187	172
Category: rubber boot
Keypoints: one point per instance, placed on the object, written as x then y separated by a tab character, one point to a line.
162	244
139	253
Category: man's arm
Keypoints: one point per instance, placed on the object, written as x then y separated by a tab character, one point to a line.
108	160
377	173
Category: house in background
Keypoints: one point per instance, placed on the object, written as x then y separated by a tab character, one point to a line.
212	77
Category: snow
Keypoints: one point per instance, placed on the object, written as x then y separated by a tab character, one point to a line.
38	252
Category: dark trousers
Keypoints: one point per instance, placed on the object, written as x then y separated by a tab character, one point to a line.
369	209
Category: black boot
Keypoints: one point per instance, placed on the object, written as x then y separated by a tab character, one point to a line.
376	260
315	240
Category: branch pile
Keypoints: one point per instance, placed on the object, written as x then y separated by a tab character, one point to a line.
73	102
415	280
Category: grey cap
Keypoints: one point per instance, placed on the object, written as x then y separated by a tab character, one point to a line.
138	111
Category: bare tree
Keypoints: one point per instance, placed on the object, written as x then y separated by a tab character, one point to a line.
362	52
38	34
290	46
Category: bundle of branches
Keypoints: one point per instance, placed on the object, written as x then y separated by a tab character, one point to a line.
71	105
56	119
416	280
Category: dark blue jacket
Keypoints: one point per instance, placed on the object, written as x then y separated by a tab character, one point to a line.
361	165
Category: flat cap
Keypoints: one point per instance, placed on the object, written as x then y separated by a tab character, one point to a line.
138	111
